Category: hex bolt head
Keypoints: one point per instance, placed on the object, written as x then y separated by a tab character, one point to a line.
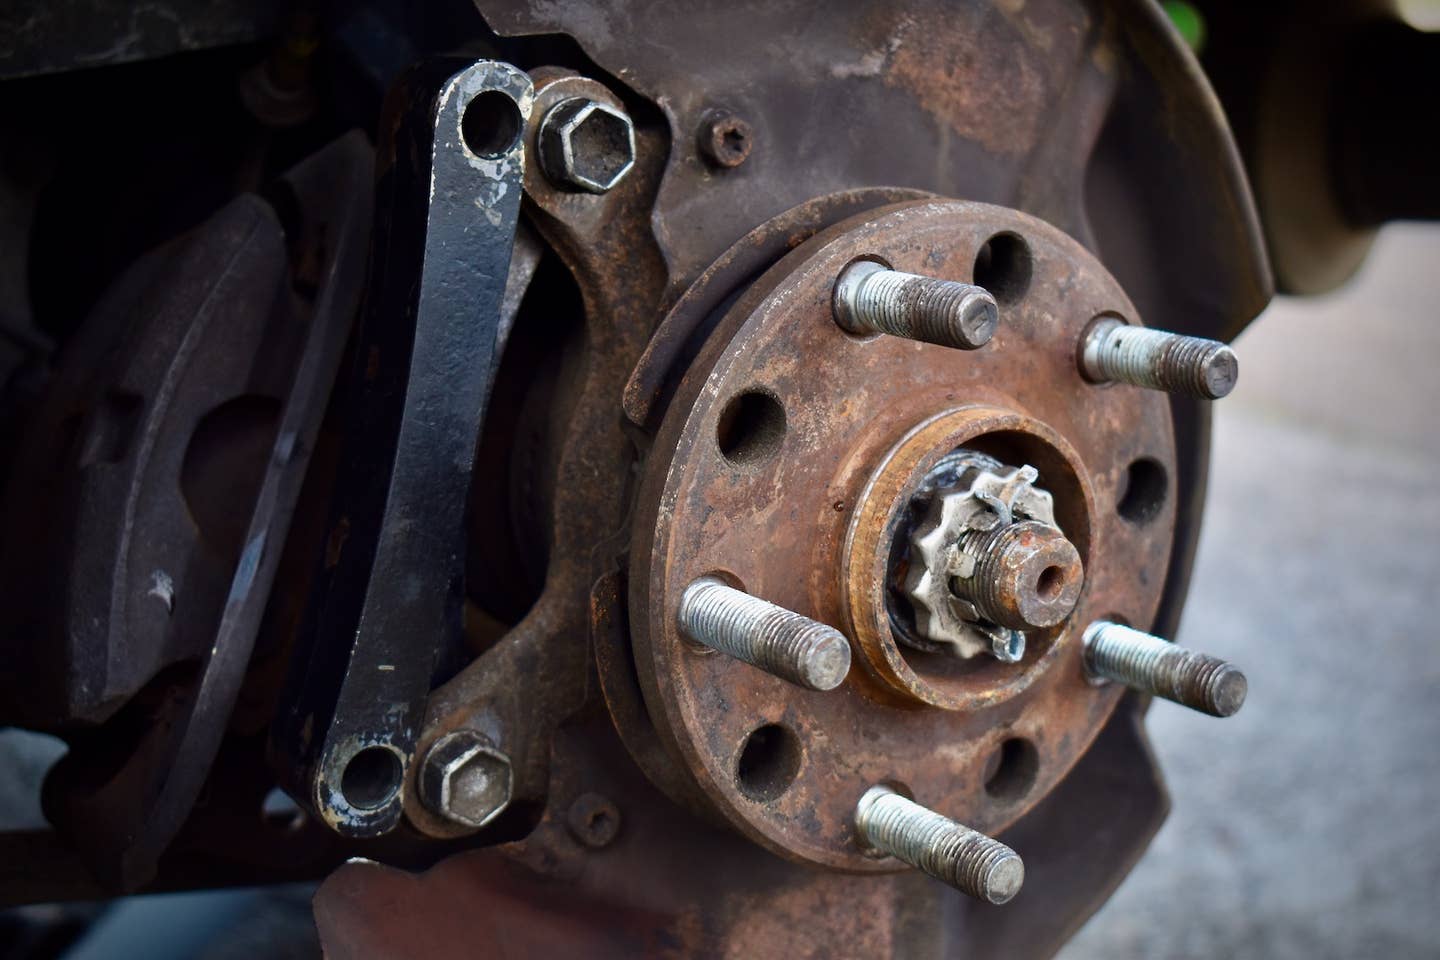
586	145
1152	665
871	298
778	641
1113	350
1026	576
466	780
950	852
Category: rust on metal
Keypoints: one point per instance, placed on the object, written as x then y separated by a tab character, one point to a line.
534	676
726	139
878	521
802	509
673	884
696	312
1121	97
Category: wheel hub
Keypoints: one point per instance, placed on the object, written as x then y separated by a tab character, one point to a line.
792	464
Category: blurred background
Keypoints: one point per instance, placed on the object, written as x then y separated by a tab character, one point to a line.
1308	825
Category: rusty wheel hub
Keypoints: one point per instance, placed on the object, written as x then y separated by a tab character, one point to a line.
900	498
790	465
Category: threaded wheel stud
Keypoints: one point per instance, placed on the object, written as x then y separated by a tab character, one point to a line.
870	298
950	852
778	641
1156	666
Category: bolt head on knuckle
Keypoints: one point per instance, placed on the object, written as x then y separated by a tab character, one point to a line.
466	780
593	820
587	145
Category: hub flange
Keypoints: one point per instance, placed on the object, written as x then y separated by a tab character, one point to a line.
786	465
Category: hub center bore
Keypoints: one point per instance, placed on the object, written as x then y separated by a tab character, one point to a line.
986	561
944	589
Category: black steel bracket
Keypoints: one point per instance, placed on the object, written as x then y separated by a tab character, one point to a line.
452	165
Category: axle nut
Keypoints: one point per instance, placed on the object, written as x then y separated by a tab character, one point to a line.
988	561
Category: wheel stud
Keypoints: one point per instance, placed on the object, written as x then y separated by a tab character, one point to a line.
1152	665
1115	350
870	298
778	641
966	859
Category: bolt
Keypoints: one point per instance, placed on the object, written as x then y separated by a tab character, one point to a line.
465	779
1148	663
776	640
1115	350
586	145
871	298
725	139
1025	575
966	859
593	820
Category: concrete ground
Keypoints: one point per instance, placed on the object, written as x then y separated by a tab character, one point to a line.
1308	826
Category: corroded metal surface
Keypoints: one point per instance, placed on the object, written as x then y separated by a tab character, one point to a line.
1044	106
671	884
1047	107
696	312
789	514
880	518
521	688
922	75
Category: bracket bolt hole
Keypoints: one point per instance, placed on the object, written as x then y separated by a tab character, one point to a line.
371	778
491	124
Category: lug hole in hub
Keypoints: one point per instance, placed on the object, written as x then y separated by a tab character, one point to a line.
768	762
371	778
1003	266
750	428
1011	769
491	124
1142	494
